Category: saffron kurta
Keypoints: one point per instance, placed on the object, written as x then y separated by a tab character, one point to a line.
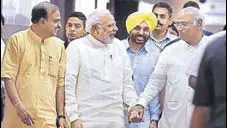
98	82
38	69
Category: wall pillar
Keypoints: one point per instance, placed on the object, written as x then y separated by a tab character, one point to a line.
122	9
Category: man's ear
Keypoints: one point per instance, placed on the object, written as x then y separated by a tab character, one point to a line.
199	23
93	29
170	21
42	20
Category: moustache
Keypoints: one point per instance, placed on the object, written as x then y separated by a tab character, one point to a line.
159	23
141	36
113	34
58	27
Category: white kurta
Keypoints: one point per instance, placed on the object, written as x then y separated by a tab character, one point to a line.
170	72
98	81
193	68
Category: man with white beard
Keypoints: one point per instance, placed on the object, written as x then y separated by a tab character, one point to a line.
98	76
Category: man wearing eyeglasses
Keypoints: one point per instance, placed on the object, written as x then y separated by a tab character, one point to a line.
170	73
190	23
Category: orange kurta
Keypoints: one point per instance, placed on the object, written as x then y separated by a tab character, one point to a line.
38	69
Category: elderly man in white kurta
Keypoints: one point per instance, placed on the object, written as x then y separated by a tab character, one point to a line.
193	68
98	76
170	72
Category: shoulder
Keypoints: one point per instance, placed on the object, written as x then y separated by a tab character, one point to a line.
120	44
216	44
18	35
76	46
216	36
172	37
125	42
78	42
18	39
56	42
178	45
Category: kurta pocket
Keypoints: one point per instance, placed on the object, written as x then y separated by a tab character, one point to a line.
53	68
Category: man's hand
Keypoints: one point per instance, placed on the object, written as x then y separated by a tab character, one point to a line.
62	123
153	124
24	114
77	124
136	114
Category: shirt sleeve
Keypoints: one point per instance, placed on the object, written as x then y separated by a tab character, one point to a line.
156	82
203	92
72	71
62	66
129	92
10	64
155	109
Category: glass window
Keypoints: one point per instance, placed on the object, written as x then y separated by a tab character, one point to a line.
18	12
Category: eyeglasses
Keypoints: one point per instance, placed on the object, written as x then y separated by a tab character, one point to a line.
183	24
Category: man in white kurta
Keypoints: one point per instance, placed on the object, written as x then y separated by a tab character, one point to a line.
98	78
170	72
193	68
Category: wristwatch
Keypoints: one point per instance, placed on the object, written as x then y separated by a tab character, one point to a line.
60	116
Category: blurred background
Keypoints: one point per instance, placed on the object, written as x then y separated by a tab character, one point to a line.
17	13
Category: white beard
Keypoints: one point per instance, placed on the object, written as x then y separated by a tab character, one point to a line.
108	40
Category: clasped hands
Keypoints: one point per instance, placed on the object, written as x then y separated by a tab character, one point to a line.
135	114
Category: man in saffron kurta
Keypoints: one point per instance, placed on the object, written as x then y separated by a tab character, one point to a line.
33	71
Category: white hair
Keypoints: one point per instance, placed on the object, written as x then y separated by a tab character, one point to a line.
94	18
197	15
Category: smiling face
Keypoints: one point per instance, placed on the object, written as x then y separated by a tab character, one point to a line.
74	28
140	34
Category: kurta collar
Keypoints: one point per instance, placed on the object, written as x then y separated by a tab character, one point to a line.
34	36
